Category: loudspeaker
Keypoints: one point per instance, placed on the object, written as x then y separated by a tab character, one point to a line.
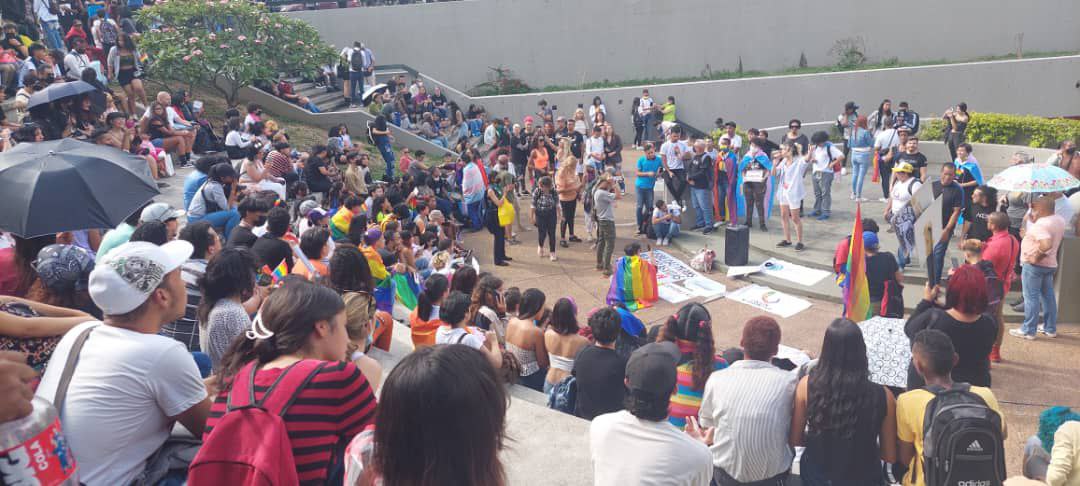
736	245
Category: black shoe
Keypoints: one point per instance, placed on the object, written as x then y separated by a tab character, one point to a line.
564	244
162	185
783	244
1017	302
799	247
707	230
763	228
695	227
508	259
1018	307
502	264
574	239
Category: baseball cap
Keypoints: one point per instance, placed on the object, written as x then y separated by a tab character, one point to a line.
870	239
307	206
851	106
904	167
160	212
372	236
64	268
316	214
651	368
123	280
903	128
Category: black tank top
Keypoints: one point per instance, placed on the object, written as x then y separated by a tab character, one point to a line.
855	459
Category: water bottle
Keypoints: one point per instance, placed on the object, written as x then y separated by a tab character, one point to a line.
33	450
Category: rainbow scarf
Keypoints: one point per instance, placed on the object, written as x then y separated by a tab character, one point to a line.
340	222
853	280
634	283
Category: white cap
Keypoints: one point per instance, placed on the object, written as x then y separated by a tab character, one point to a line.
124	279
160	212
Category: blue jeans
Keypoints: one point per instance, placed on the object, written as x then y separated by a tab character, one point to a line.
52	35
312	108
220	219
1039	296
938	260
860	164
388	157
823	192
702	199
644	205
667	230
356	86
476	214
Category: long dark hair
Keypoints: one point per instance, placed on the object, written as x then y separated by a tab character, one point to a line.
837	385
290	313
881	113
464	280
349	271
693	323
564	317
230	273
468	418
486	293
434	287
26	251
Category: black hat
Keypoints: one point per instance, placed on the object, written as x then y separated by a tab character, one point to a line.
651	368
851	106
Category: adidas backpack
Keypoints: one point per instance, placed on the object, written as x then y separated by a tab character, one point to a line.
250	446
962	439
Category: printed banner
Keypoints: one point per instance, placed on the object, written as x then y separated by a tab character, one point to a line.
674	293
791	272
669	268
769	300
705	287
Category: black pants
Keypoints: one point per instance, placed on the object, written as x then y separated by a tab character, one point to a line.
499	232
754	194
885	172
569	208
545	229
677	183
639	130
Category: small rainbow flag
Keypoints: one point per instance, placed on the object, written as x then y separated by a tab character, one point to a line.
280	272
875	176
634	283
856	288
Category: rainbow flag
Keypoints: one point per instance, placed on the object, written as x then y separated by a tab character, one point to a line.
279	272
875	176
856	289
634	283
406	289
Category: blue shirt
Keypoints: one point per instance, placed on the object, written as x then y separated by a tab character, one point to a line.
192	183
647	165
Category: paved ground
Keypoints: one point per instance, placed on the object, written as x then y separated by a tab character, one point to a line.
1035	374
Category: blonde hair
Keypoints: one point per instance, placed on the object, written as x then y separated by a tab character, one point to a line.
359	315
577	112
973	246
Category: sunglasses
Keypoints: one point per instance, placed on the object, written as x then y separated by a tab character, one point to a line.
794	126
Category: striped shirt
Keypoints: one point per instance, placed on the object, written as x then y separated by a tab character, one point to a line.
750	405
186	329
336	405
685	400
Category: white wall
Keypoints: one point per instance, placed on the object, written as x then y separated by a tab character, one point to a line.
565	42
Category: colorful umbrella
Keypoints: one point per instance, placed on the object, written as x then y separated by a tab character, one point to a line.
1034	178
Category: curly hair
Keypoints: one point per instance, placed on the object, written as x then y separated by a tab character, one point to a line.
837	386
693	323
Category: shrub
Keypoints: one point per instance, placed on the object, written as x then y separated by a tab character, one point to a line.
1002	129
227	44
500	81
850	53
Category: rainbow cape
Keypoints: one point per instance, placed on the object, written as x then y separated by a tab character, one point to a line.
853	281
384	285
279	272
634	283
726	159
340	222
737	189
406	289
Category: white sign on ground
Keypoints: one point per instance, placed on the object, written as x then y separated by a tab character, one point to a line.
668	268
674	293
769	300
791	272
740	270
705	287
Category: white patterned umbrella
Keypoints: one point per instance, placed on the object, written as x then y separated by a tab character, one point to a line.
1033	178
888	350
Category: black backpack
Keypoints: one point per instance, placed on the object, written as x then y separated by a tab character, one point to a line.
356	61
962	439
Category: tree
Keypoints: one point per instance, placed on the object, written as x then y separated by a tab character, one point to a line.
227	44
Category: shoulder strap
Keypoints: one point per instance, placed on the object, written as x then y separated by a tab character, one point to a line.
295	377
69	368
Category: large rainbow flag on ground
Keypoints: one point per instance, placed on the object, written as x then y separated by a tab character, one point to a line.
634	283
853	281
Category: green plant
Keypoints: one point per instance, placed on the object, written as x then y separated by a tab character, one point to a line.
227	44
500	81
850	52
1002	129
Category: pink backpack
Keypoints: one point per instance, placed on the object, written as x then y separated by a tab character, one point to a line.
250	446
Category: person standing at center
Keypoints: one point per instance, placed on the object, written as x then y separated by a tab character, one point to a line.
1038	254
605	195
699	175
826	159
673	153
648	166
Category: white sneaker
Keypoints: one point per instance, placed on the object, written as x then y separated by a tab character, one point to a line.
843	171
1020	334
659	242
667	241
882	199
851	197
1042	330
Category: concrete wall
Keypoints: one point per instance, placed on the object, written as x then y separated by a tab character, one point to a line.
1046	87
566	42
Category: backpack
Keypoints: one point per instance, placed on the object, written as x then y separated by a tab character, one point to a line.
962	440
995	288
356	61
563	396
544	203
250	444
108	32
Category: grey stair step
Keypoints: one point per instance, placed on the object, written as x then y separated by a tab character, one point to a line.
322	98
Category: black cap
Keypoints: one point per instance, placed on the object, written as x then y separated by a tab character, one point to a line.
651	368
851	106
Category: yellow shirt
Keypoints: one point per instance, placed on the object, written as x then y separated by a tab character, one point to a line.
1064	467
910	410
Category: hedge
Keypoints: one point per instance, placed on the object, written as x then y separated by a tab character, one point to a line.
1001	129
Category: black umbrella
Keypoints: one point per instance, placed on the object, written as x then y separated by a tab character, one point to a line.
66	185
59	91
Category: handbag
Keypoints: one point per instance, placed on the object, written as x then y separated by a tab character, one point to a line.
506	213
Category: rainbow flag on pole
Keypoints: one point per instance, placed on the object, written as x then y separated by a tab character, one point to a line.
280	272
856	289
634	283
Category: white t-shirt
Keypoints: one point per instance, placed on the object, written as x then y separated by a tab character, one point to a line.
821	158
628	450
886	139
646	104
671	155
452	335
903	192
594	145
125	387
792	189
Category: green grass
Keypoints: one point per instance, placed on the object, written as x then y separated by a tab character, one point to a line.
721	75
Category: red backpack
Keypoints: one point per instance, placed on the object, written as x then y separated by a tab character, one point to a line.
250	446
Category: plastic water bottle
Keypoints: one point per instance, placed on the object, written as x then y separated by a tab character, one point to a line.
33	450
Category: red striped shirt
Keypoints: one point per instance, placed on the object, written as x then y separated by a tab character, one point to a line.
334	406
